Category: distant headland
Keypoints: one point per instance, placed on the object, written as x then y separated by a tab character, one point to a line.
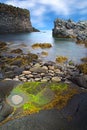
15	19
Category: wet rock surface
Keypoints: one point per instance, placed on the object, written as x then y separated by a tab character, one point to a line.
5	89
81	80
27	67
70	29
15	68
73	116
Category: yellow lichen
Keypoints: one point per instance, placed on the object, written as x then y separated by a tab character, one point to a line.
61	59
41	45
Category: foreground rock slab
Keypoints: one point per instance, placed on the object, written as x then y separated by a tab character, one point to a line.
72	117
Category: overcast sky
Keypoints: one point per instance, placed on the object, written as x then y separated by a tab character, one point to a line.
44	12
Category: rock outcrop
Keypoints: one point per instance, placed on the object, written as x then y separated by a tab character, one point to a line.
70	29
14	19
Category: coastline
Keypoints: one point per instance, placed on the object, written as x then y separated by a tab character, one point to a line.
17	68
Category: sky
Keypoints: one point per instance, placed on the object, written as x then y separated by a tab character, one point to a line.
44	12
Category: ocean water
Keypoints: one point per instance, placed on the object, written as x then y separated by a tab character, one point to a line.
60	47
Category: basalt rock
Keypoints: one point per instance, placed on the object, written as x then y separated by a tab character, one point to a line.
70	29
14	19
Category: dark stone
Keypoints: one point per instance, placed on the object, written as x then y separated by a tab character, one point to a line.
70	29
35	30
17	62
72	117
80	80
5	111
18	70
9	74
2	44
6	87
1	76
19	51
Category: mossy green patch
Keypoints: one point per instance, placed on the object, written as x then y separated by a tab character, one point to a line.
41	96
58	87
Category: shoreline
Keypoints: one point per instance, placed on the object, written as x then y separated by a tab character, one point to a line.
17	68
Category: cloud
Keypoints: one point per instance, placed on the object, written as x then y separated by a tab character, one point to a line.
41	8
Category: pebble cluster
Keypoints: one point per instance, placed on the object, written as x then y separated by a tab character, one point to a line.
44	72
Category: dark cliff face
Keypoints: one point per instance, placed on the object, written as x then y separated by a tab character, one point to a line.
14	19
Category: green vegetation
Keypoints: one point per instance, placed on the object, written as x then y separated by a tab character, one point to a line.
43	96
16	11
21	60
59	87
61	59
41	45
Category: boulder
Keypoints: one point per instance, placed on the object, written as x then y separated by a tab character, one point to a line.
2	45
19	51
38	70
56	79
80	80
5	111
69	29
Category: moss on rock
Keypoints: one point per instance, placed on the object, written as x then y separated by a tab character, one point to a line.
2	45
61	59
22	60
42	96
17	51
84	59
83	68
41	45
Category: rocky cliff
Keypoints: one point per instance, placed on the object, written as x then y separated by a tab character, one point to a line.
14	19
70	29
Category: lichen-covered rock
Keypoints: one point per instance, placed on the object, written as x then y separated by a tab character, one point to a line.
2	45
41	45
19	51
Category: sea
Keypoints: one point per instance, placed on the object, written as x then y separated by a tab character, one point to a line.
60	47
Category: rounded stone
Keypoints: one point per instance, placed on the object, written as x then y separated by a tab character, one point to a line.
51	67
16	99
45	67
44	80
26	72
56	79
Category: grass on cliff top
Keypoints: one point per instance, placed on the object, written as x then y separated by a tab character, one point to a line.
41	45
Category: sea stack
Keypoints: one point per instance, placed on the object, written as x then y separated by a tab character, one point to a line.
70	29
14	19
